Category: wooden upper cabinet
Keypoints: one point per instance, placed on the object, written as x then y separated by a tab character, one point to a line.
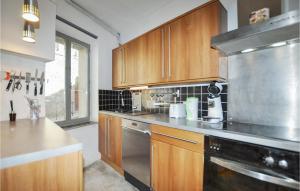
155	63
191	56
118	67
179	51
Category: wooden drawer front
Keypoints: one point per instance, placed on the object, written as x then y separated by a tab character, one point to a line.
184	139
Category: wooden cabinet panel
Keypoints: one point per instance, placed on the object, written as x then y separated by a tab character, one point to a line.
136	62
102	134
191	56
175	168
110	140
115	140
62	173
155	63
118	67
186	139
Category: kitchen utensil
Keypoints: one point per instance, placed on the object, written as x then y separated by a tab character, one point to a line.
10	82
35	82
177	110
18	84
27	81
12	114
11	106
192	108
13	82
215	110
42	79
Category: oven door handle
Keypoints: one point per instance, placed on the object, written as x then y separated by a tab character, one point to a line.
246	170
141	131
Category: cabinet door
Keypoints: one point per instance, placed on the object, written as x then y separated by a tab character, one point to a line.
156	70
118	67
102	135
191	56
115	141
136	62
175	168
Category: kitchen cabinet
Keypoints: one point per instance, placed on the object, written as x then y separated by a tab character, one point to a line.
177	159
118	67
191	56
59	173
110	141
155	61
135	62
178	51
12	25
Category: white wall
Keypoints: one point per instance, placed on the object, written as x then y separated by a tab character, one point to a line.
12	25
172	10
12	62
101	49
88	136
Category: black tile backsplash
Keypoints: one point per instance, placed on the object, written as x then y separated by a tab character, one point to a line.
111	99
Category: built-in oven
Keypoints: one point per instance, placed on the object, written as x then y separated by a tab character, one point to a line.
239	166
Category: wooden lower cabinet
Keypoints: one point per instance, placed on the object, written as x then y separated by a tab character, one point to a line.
62	173
110	141
175	166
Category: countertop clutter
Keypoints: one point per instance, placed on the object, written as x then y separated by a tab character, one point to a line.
256	134
43	138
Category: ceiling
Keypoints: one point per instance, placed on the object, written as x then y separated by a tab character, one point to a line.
134	17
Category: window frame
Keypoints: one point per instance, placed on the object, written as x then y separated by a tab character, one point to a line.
69	121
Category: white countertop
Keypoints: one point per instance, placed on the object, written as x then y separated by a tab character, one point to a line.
26	141
211	129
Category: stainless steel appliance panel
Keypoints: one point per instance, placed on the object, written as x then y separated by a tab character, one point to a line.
264	87
136	150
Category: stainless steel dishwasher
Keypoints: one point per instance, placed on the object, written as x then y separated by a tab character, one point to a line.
136	153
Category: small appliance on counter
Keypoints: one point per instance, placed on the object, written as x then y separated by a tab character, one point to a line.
136	101
215	111
192	108
177	110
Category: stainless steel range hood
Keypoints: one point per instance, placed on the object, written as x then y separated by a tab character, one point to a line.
283	28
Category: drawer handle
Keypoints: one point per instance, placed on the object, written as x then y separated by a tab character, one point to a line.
173	137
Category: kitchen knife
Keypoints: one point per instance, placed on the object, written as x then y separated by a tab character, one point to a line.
42	79
35	83
27	81
9	83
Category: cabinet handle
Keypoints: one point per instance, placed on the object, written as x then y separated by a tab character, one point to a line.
152	166
173	137
123	66
105	136
124	63
163	53
169	38
108	137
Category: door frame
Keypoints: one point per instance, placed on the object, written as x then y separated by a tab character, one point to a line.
69	121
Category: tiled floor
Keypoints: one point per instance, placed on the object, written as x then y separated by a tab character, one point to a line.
101	177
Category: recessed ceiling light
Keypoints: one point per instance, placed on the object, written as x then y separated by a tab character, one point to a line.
247	50
278	44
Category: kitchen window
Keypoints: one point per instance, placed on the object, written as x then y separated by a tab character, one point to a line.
67	82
